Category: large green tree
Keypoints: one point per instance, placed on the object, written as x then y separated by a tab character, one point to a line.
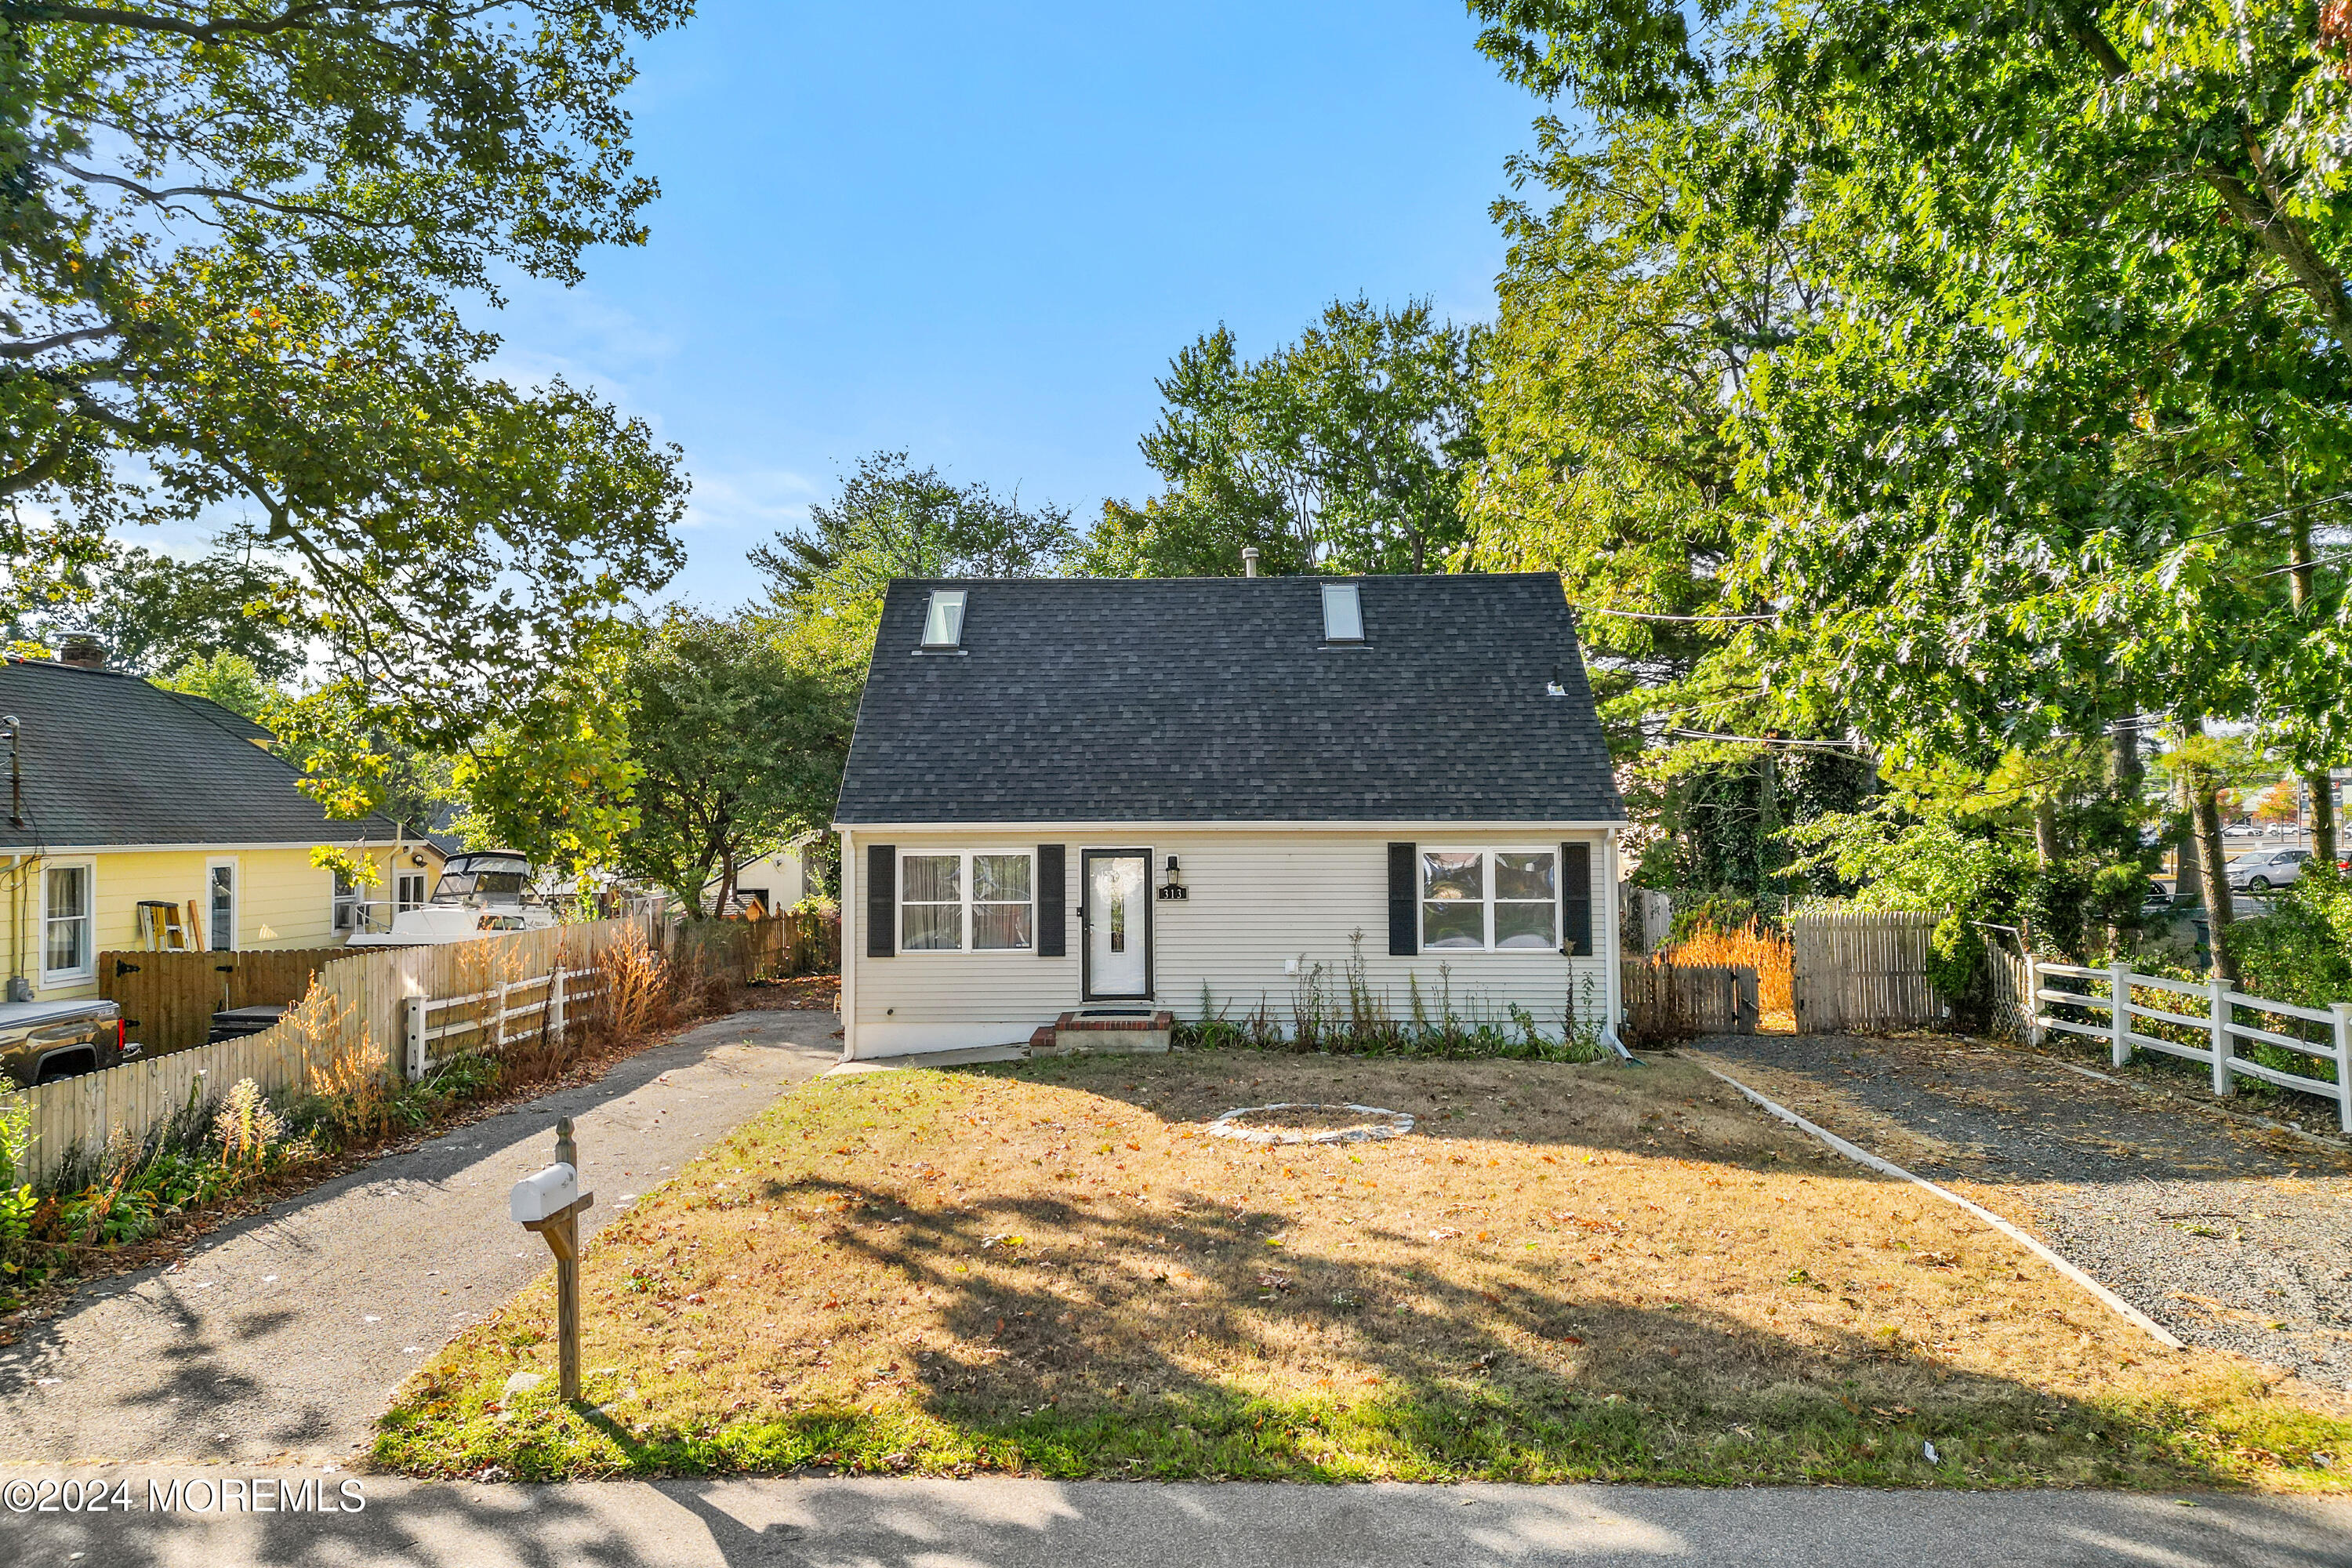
892	520
153	613
2046	454
736	745
236	236
1348	450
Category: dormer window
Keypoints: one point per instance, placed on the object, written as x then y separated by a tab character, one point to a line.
1343	612
943	624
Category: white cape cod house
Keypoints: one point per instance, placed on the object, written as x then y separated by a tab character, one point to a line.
1122	793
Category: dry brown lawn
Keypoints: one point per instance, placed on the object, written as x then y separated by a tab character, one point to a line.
1563	1271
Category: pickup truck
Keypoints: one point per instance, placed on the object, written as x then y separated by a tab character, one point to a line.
44	1040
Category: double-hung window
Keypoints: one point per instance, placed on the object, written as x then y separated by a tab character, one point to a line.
68	945
985	900
1490	900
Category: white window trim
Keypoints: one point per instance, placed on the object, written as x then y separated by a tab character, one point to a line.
424	890
88	868
934	607
964	886
1421	900
236	903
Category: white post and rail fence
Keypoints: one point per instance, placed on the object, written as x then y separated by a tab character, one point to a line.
2117	1013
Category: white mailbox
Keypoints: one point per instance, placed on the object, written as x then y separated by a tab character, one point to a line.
544	1195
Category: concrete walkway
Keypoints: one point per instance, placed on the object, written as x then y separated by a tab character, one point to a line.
1045	1524
283	1333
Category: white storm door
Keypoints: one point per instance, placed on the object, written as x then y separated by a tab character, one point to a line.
1118	924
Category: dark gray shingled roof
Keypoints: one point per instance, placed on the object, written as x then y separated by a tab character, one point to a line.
108	759
1216	700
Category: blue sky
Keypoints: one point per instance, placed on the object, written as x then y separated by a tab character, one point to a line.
979	233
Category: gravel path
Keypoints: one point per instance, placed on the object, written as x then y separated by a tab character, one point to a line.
283	1334
2231	1236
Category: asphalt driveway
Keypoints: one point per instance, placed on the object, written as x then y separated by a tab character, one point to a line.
283	1333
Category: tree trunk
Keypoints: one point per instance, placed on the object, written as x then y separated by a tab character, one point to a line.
2322	785
2219	909
2046	852
2184	801
2127	774
2318	781
1768	827
2213	869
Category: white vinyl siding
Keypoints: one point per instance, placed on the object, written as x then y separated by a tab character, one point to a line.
1256	898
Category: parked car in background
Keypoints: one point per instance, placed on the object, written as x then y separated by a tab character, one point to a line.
2260	870
41	1041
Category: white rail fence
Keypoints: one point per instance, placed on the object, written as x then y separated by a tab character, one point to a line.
2219	1023
493	1017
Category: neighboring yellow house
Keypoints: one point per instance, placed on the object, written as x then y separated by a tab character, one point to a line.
124	805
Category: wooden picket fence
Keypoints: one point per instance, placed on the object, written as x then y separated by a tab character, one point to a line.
1666	1001
359	1001
788	944
493	990
168	999
1862	970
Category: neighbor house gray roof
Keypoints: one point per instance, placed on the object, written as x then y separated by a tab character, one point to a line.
1217	699
108	759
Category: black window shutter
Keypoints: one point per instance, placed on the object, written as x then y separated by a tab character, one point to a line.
881	899
1576	899
1404	900
1053	901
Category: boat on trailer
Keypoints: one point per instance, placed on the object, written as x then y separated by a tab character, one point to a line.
477	895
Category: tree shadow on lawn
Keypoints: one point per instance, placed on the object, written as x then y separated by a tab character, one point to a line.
1301	1365
1150	1329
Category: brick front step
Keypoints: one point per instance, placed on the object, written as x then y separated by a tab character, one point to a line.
1123	1030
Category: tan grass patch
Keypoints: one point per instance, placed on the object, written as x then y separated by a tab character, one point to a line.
1566	1271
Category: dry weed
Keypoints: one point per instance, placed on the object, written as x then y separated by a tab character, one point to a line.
633	983
1752	946
355	1087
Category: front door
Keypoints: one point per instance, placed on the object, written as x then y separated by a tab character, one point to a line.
1118	923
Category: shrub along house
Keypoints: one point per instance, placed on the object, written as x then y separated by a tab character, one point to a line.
1143	797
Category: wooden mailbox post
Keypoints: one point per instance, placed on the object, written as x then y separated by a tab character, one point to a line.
551	1204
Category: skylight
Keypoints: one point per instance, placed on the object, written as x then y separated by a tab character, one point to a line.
1343	612
943	625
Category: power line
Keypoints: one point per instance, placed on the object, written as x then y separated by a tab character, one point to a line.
1855	746
1643	616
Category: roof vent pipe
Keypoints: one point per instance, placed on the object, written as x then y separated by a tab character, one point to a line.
1249	561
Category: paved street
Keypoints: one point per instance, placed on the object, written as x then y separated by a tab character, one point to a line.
1045	1524
285	1333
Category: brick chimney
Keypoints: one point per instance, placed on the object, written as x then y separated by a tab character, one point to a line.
83	652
